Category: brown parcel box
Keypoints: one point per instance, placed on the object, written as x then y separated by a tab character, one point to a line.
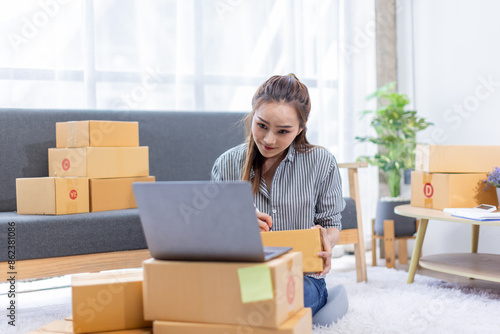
439	191
108	301
97	133
99	162
129	331
52	195
115	193
209	292
308	242
63	326
300	323
456	158
58	326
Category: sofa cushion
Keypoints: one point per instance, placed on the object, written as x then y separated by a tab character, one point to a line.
40	236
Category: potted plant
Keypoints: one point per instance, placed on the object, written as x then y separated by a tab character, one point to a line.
494	180
396	130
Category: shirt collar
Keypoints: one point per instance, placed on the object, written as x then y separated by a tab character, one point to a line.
291	153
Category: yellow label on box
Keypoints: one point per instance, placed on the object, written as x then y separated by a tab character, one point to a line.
255	283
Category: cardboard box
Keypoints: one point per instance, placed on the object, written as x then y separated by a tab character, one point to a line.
108	301
439	191
99	162
308	242
300	323
456	158
211	292
52	195
58	326
97	134
62	326
114	193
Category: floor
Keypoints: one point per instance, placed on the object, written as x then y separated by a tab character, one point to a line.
39	300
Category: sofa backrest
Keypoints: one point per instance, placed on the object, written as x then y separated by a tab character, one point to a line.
182	145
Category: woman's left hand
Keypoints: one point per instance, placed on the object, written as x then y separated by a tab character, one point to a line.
326	253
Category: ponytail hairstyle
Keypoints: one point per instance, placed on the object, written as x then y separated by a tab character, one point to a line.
285	89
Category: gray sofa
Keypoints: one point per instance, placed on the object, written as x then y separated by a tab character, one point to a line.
182	146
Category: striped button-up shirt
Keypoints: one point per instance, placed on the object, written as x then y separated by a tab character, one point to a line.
306	188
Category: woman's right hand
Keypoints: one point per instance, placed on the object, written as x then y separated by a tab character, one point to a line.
265	221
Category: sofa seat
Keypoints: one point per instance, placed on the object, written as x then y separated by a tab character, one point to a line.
40	236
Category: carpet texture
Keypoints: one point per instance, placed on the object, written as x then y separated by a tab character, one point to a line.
387	304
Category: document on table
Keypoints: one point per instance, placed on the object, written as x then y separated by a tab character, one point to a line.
471	213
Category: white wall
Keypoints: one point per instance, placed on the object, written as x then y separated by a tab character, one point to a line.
451	71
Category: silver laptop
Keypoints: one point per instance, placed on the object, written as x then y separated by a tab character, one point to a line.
201	221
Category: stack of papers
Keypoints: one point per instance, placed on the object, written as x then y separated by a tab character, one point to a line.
471	213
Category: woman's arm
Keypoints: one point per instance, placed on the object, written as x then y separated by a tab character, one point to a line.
329	237
333	235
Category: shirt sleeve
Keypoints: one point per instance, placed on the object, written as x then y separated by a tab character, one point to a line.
216	174
330	202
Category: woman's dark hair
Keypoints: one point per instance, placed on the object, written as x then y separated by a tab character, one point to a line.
286	89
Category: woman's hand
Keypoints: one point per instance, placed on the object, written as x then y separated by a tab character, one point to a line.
265	221
326	253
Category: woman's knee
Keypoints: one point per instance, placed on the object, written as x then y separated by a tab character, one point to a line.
315	294
335	308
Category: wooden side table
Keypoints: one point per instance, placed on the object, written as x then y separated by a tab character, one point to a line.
473	264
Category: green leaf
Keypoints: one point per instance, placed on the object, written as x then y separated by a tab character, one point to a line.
396	130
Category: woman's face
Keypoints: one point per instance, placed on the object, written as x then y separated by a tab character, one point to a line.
274	127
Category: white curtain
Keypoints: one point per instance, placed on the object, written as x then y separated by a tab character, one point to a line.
357	79
194	55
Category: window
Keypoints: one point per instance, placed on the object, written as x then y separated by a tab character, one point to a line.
166	54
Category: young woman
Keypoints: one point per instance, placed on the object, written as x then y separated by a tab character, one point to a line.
296	185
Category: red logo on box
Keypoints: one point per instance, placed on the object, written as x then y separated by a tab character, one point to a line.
428	190
73	194
65	164
290	290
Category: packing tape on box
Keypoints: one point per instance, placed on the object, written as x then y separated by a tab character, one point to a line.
72	139
255	283
428	190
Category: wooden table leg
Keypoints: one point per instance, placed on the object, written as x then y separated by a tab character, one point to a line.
475	238
417	249
390	252
403	251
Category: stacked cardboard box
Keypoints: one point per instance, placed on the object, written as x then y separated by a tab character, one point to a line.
299	323
52	195
55	328
226	297
111	301
91	169
191	297
449	176
66	326
107	302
